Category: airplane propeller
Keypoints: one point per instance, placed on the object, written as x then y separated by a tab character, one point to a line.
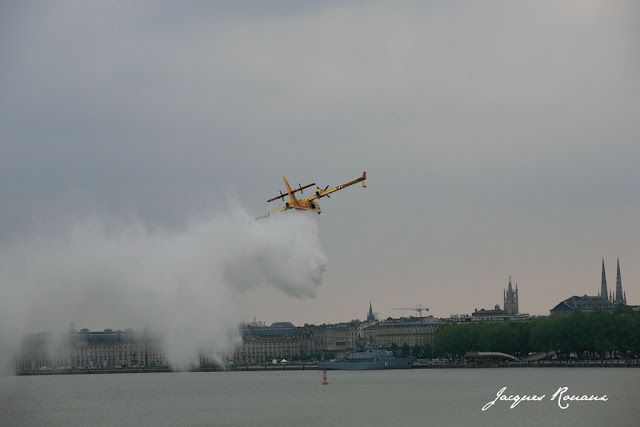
325	189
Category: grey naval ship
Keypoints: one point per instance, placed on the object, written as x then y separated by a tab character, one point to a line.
371	357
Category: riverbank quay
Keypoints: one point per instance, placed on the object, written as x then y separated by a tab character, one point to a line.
265	367
633	363
93	371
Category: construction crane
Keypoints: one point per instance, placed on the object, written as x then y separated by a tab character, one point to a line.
419	308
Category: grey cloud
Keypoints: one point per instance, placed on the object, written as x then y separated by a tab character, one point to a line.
479	124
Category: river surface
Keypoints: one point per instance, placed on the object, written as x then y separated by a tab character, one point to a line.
429	397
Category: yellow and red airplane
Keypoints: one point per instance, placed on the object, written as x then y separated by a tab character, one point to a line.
310	203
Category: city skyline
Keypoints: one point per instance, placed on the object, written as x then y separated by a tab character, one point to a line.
442	313
371	315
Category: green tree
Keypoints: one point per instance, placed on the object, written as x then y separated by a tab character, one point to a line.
427	350
406	350
395	349
416	351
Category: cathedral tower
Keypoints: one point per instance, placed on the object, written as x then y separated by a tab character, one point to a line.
511	299
603	284
620	296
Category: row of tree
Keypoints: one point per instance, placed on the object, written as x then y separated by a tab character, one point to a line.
592	335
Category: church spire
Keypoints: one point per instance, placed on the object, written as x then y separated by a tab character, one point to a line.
603	283
620	299
370	316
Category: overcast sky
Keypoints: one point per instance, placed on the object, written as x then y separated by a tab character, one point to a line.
499	138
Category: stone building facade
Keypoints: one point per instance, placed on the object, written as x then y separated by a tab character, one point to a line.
338	338
262	344
86	349
411	331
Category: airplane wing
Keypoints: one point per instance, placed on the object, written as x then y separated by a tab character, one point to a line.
284	208
323	193
283	195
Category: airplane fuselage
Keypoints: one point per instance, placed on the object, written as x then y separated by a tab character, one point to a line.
305	204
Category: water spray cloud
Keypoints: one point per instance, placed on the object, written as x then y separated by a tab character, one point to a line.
183	285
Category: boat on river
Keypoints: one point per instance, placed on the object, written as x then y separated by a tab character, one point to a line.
368	357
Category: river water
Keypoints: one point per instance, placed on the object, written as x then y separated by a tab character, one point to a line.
430	397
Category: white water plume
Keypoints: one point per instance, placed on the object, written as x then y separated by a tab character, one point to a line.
182	285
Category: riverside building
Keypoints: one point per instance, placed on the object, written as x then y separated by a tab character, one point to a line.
84	349
411	331
260	344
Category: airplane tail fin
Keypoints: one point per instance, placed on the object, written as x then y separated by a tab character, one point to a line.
291	195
